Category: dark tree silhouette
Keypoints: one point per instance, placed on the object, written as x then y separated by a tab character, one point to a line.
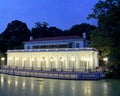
15	34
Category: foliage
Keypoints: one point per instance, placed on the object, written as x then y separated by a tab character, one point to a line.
106	37
14	35
79	29
42	30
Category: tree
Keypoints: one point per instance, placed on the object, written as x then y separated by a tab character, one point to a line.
106	37
15	34
40	30
79	29
54	31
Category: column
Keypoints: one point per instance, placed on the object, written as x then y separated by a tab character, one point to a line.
22	62
67	64
9	61
96	59
16	59
30	62
77	62
56	62
47	62
38	59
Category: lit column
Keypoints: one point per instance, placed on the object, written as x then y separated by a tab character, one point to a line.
9	62
41	64
84	63
47	63
16	59
2	61
67	66
52	59
32	63
73	66
77	62
23	63
56	62
61	62
38	62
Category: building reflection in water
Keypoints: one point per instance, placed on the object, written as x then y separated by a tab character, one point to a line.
105	88
12	85
2	81
51	87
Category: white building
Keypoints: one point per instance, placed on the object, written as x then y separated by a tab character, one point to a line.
60	53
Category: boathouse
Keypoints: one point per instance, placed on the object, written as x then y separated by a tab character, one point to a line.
55	53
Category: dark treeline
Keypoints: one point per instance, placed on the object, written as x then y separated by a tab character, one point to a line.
17	32
106	37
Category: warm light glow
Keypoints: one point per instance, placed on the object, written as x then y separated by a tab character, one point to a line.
33	59
43	58
61	59
73	59
105	59
24	59
16	83
9	58
8	81
87	89
2	58
23	84
2	79
51	59
16	59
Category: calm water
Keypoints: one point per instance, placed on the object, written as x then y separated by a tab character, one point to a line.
28	86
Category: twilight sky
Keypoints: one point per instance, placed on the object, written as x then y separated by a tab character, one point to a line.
60	13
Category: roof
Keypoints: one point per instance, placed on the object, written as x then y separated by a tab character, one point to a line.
55	38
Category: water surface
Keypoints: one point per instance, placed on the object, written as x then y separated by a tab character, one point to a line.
28	86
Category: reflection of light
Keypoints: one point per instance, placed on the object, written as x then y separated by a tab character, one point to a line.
16	83
51	87
23	84
73	88
62	86
2	80
73	59
2	58
87	88
105	88
8	81
41	88
32	86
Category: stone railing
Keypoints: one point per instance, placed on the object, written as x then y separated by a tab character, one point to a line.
58	49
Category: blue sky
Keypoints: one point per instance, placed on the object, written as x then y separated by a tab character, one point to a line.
60	13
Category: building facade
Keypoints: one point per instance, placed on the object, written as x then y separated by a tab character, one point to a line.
57	53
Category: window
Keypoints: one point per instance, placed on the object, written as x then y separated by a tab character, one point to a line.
77	45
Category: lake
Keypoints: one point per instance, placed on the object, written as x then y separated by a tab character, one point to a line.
29	86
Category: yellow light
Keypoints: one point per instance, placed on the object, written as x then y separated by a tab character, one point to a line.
16	83
51	59
23	84
2	58
24	59
61	59
9	82
73	59
16	59
9	58
2	79
32	59
105	59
